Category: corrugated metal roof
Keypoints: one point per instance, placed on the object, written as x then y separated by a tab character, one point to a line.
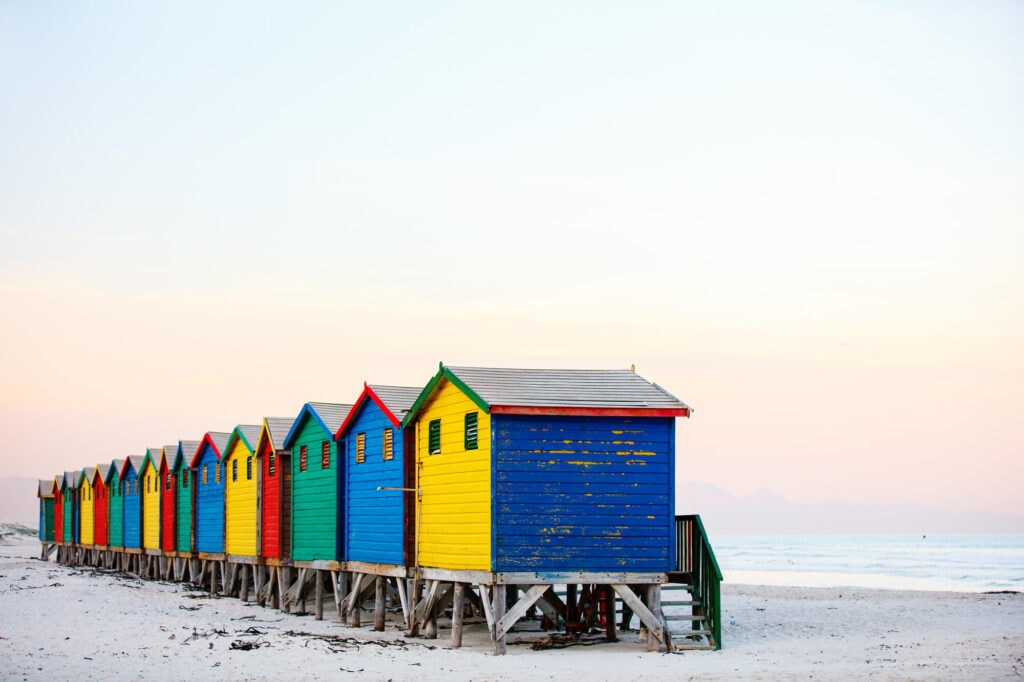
249	432
332	414
220	440
136	462
45	488
398	399
186	450
278	428
116	465
72	478
587	388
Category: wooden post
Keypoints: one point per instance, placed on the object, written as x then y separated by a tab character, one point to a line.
318	596
571	609
378	604
611	633
458	607
244	593
500	648
654	606
284	579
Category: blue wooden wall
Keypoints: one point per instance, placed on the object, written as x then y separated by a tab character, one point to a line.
209	512
374	522
132	509
582	493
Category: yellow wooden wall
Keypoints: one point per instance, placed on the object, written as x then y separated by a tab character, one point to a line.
150	484
86	514
455	512
240	502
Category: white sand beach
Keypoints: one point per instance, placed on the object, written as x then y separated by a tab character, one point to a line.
64	623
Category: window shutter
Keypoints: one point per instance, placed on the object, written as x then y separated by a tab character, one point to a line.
471	431
360	448
234	470
302	458
325	455
388	446
272	464
248	468
434	437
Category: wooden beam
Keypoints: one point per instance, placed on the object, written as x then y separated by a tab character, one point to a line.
518	609
500	647
378	604
655	628
458	608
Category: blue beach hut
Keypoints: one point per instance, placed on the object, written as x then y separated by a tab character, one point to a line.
545	471
209	495
375	471
132	503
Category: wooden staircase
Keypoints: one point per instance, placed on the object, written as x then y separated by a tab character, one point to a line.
691	600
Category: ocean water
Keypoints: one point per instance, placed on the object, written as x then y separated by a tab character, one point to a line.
959	563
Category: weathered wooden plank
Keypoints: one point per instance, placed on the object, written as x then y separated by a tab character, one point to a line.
458	612
500	646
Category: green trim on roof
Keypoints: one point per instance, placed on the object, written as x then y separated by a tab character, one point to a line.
443	373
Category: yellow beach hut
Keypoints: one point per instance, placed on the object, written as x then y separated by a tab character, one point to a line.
240	508
87	536
149	482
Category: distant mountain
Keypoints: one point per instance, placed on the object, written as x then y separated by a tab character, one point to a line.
18	501
764	512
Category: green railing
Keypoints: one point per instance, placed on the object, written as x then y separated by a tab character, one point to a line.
695	557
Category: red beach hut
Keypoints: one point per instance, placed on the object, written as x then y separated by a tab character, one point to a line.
167	497
100	507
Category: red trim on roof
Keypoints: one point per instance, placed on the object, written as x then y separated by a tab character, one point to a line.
591	411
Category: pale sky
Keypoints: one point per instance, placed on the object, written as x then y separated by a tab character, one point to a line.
804	219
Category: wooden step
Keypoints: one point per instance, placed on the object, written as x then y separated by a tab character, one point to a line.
686	617
691	602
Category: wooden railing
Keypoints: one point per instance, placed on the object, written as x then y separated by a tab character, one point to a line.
695	557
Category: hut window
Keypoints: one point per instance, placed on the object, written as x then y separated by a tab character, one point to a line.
135	487
272	464
388	446
216	472
234	470
434	437
360	448
206	474
471	431
248	468
325	455
167	483
184	478
302	458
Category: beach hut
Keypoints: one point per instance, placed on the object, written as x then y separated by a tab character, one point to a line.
70	498
209	498
545	471
184	486
316	511
167	497
273	463
85	502
132	506
376	471
240	502
149	484
46	498
100	507
58	509
115	506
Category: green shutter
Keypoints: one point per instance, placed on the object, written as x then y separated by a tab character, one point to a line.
434	437
470	437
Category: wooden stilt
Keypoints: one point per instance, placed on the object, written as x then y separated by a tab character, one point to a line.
318	599
500	647
378	604
458	611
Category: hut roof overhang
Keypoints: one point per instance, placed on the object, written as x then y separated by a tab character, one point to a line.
556	392
216	440
394	401
273	431
185	453
330	416
248	434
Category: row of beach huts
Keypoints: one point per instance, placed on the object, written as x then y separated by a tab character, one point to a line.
477	494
